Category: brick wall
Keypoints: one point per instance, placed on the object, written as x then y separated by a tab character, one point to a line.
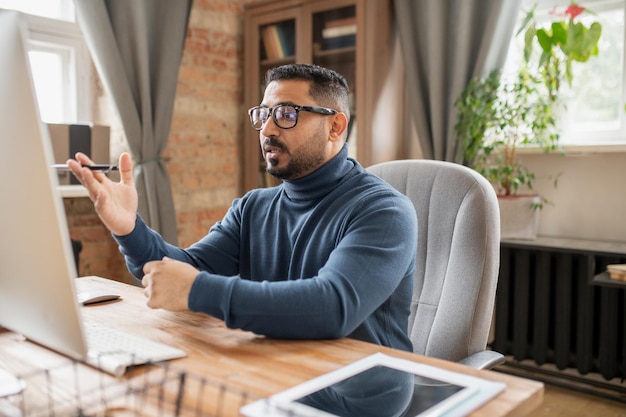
204	149
99	254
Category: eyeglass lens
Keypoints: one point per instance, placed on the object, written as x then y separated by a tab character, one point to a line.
284	116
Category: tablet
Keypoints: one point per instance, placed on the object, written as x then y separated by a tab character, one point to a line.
380	385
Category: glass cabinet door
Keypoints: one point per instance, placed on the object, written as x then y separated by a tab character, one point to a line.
334	38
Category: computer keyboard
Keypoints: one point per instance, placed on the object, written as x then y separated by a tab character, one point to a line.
113	350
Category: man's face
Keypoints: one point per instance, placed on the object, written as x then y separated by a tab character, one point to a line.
294	153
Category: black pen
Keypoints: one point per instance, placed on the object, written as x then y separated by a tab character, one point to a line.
94	167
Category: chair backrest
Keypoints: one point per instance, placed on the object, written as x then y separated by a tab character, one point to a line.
458	255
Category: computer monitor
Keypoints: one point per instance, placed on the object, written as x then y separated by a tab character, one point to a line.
37	295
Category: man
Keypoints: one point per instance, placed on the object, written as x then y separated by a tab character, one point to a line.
327	254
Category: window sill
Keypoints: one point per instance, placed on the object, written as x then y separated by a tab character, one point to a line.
579	149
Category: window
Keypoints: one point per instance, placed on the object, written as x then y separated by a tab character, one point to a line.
59	59
595	112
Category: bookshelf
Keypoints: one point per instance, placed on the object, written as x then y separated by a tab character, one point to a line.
352	37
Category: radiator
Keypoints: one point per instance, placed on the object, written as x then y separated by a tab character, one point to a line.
550	310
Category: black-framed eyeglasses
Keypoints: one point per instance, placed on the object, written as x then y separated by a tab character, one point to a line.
284	115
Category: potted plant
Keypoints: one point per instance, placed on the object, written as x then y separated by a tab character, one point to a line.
495	116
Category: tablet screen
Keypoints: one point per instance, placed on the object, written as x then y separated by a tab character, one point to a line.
383	391
378	386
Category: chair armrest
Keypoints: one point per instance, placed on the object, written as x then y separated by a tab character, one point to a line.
485	359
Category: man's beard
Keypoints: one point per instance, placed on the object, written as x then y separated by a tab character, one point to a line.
309	156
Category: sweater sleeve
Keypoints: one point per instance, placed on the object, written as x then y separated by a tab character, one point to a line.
142	245
217	253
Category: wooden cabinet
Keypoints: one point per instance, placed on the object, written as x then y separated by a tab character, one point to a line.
352	37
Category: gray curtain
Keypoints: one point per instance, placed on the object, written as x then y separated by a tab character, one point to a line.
445	43
137	47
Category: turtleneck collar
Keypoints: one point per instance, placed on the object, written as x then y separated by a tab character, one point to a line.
323	180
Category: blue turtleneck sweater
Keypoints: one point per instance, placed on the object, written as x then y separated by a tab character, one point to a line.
325	256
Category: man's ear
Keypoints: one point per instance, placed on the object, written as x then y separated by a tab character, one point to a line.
338	127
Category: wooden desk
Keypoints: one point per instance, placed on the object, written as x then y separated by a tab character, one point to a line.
254	364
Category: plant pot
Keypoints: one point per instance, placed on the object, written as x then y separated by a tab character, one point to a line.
519	216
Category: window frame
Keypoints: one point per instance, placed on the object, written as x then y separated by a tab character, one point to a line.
48	34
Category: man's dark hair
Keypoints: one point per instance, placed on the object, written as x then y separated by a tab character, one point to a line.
327	87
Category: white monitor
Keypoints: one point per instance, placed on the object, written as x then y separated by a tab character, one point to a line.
37	295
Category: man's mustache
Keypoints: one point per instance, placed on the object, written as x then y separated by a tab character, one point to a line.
275	143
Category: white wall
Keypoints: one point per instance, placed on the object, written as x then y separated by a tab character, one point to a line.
589	201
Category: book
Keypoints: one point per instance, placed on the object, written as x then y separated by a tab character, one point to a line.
275	38
271	48
339	42
617	271
336	31
279	40
340	22
287	39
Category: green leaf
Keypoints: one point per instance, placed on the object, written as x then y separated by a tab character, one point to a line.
530	16
545	40
559	33
529	39
582	42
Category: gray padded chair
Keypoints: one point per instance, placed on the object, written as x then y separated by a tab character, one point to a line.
458	258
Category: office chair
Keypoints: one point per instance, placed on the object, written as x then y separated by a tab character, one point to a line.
458	258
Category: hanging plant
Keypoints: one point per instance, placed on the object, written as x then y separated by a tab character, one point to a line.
561	43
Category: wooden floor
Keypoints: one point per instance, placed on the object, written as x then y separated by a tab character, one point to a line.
561	402
568	395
